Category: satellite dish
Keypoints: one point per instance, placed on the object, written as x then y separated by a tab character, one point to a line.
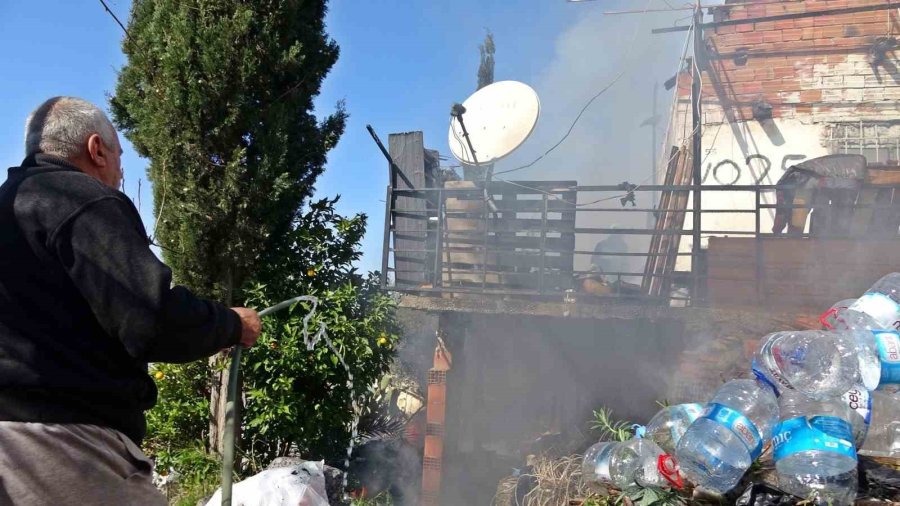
498	118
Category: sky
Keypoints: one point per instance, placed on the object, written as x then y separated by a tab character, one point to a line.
402	65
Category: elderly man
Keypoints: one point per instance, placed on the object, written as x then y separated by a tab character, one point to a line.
84	306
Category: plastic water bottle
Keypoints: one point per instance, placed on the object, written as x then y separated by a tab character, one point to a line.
622	464
880	305
817	363
670	423
814	454
859	400
721	445
859	326
883	439
879	358
835	316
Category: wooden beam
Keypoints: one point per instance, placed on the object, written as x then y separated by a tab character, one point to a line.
407	151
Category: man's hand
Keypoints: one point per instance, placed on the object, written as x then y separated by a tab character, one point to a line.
250	325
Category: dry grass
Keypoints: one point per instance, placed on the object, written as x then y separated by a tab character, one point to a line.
558	481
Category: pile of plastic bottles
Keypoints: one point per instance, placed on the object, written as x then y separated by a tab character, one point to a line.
818	396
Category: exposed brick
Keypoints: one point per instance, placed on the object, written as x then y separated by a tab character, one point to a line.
803	109
785	24
759	62
764	26
822	41
832	95
808	33
773	86
749	38
744	28
756	11
874	81
725	30
784	111
793	34
854	81
804	23
870	94
742	75
833	31
775	9
833	81
810	95
853	95
764	74
782	72
821	68
772	36
748	88
870	29
827	21
855	42
791	97
724	65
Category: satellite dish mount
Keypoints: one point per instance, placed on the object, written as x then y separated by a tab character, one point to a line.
498	119
456	112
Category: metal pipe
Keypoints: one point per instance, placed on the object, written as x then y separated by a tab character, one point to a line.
696	152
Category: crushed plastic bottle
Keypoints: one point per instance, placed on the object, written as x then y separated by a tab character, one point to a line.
815	458
860	328
670	423
721	445
859	400
835	317
883	439
817	363
879	306
622	464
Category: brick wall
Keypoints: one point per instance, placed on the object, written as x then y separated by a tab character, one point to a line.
817	66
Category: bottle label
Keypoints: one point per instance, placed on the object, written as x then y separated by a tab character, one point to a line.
738	424
860	401
880	307
888	343
833	426
821	433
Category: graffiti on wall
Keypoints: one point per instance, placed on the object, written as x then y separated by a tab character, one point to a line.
728	172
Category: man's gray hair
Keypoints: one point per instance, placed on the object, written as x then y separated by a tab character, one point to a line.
61	126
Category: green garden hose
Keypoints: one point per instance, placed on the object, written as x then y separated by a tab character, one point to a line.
232	414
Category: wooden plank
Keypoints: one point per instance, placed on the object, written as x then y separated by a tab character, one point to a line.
664	245
797	272
408	152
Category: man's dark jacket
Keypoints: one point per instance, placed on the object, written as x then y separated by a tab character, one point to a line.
85	304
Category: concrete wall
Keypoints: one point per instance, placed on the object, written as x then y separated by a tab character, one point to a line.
517	377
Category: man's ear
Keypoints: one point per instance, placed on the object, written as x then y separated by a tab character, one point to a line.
96	151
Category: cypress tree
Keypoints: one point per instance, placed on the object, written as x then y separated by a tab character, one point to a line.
218	96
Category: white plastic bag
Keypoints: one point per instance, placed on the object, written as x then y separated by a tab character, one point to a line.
302	485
